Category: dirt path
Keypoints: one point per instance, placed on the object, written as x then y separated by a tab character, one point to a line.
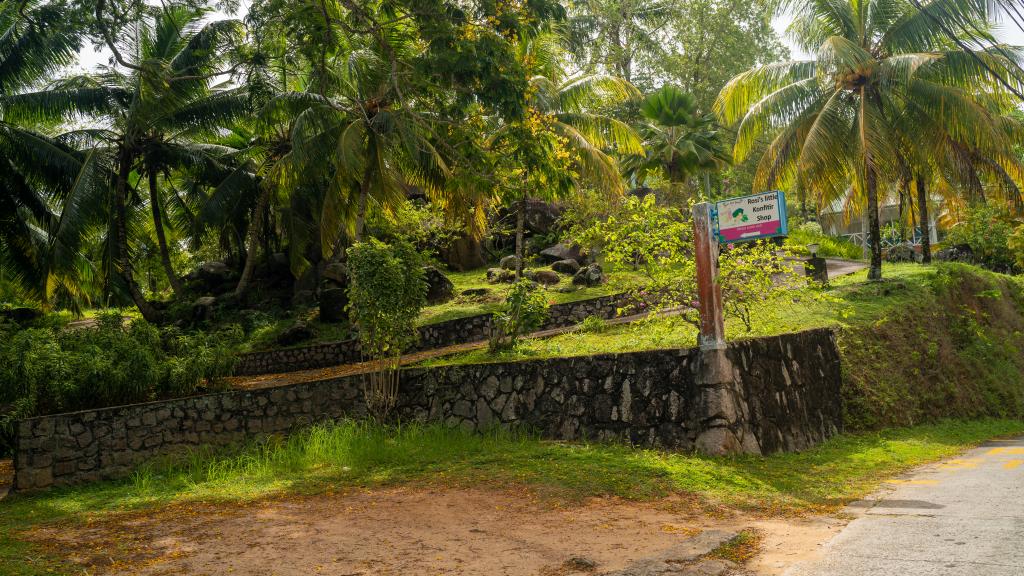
411	532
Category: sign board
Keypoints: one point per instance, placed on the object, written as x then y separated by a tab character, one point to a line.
752	217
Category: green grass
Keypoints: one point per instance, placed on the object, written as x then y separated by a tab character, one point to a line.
563	292
349	454
849	301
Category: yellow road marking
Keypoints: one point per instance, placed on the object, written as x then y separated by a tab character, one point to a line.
914	482
1011	464
1006	450
960	464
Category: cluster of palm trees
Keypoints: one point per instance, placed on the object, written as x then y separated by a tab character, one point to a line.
890	100
195	140
179	145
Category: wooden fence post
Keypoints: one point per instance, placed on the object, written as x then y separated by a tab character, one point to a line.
709	291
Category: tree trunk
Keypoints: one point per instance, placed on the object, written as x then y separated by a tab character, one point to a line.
874	227
520	226
926	232
903	196
364	195
253	241
147	310
161	238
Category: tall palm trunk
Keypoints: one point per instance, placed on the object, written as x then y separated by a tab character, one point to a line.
364	196
520	228
121	225
253	240
161	238
874	227
926	232
871	181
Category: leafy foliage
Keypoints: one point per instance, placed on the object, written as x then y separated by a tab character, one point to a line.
659	240
50	370
387	291
988	229
524	312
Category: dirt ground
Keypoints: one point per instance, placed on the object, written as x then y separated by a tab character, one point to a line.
412	532
6	476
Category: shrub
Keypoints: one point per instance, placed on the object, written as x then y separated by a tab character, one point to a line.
524	312
987	229
659	241
52	370
387	293
828	246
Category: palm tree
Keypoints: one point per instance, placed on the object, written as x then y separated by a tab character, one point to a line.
680	141
834	118
563	141
147	112
47	189
379	144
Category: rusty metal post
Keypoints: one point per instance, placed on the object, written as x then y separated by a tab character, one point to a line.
709	291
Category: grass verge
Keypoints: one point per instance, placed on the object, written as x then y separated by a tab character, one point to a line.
349	454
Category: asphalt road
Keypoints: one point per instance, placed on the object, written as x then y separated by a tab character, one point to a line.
962	517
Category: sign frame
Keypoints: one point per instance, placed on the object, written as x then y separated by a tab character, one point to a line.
783	218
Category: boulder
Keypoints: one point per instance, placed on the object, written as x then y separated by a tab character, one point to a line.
475	292
901	253
562	251
332	304
542	217
298	332
545	277
202	308
214	272
589	276
465	253
303	298
500	275
439	287
508	263
958	253
21	314
336	273
567	266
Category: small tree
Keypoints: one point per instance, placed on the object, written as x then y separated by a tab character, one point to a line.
658	241
525	311
386	294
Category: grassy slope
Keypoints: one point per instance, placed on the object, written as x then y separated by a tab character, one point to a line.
560	293
461	306
327	458
929	342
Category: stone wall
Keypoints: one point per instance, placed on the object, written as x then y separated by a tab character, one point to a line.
437	335
764	395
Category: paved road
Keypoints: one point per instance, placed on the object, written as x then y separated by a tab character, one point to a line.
963	517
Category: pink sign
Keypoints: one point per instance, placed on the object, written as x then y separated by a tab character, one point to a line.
752	217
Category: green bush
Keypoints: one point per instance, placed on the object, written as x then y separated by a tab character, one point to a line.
52	370
524	312
987	229
828	246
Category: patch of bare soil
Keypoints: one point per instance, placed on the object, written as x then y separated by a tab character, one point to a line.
410	532
6	476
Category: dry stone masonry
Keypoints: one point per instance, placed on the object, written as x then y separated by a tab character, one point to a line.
758	396
460	330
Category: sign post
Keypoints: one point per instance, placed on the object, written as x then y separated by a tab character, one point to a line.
739	219
709	292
